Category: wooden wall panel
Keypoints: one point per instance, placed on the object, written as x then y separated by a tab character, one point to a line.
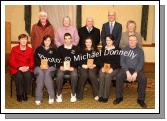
7	41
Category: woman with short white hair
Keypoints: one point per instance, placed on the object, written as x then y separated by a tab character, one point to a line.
66	28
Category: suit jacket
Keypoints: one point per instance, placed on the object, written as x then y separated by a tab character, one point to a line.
20	58
116	32
83	33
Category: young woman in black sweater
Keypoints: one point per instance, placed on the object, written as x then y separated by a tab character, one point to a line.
44	69
88	71
110	65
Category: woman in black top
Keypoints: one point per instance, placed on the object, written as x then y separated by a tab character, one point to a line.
44	69
110	63
86	71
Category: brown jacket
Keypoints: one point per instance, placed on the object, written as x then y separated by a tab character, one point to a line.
38	32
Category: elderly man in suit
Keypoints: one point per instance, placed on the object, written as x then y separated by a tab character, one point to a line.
111	27
89	31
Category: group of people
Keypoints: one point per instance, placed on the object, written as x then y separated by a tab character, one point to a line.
55	52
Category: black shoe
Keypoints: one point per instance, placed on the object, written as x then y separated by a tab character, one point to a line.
105	100
142	103
24	97
118	100
79	98
114	83
100	99
19	98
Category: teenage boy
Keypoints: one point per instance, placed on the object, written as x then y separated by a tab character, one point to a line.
66	54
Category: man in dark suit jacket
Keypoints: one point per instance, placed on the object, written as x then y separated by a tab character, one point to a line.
89	30
111	27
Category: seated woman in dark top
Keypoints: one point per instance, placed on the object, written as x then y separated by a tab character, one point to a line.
21	66
110	64
44	69
88	69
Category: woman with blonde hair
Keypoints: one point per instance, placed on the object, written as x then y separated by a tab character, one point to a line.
131	30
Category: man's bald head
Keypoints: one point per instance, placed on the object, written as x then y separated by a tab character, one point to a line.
111	16
89	22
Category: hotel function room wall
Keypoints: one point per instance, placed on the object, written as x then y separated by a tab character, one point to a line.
14	14
123	14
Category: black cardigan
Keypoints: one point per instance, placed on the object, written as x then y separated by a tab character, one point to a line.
91	52
41	53
113	60
64	53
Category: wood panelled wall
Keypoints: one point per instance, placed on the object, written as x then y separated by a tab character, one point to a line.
7	41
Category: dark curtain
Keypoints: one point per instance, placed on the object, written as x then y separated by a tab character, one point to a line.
144	21
79	19
27	18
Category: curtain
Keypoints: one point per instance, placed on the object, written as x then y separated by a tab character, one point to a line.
57	12
79	16
144	21
27	18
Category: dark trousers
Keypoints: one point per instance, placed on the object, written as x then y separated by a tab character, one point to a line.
141	79
60	80
105	82
23	80
84	75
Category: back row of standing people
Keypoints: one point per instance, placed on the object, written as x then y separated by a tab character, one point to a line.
112	27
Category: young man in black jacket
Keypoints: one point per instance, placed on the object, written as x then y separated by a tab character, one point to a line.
66	54
132	70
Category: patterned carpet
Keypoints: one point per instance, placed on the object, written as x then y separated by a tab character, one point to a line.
130	97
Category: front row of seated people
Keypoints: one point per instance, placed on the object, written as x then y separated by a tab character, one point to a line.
82	65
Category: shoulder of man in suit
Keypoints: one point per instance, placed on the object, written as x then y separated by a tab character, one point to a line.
117	23
83	27
95	28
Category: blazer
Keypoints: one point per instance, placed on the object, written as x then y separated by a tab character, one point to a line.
20	58
83	33
116	32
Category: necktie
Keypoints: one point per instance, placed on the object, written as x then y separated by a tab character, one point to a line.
89	30
111	28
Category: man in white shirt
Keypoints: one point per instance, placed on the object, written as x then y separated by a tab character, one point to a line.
111	28
89	31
